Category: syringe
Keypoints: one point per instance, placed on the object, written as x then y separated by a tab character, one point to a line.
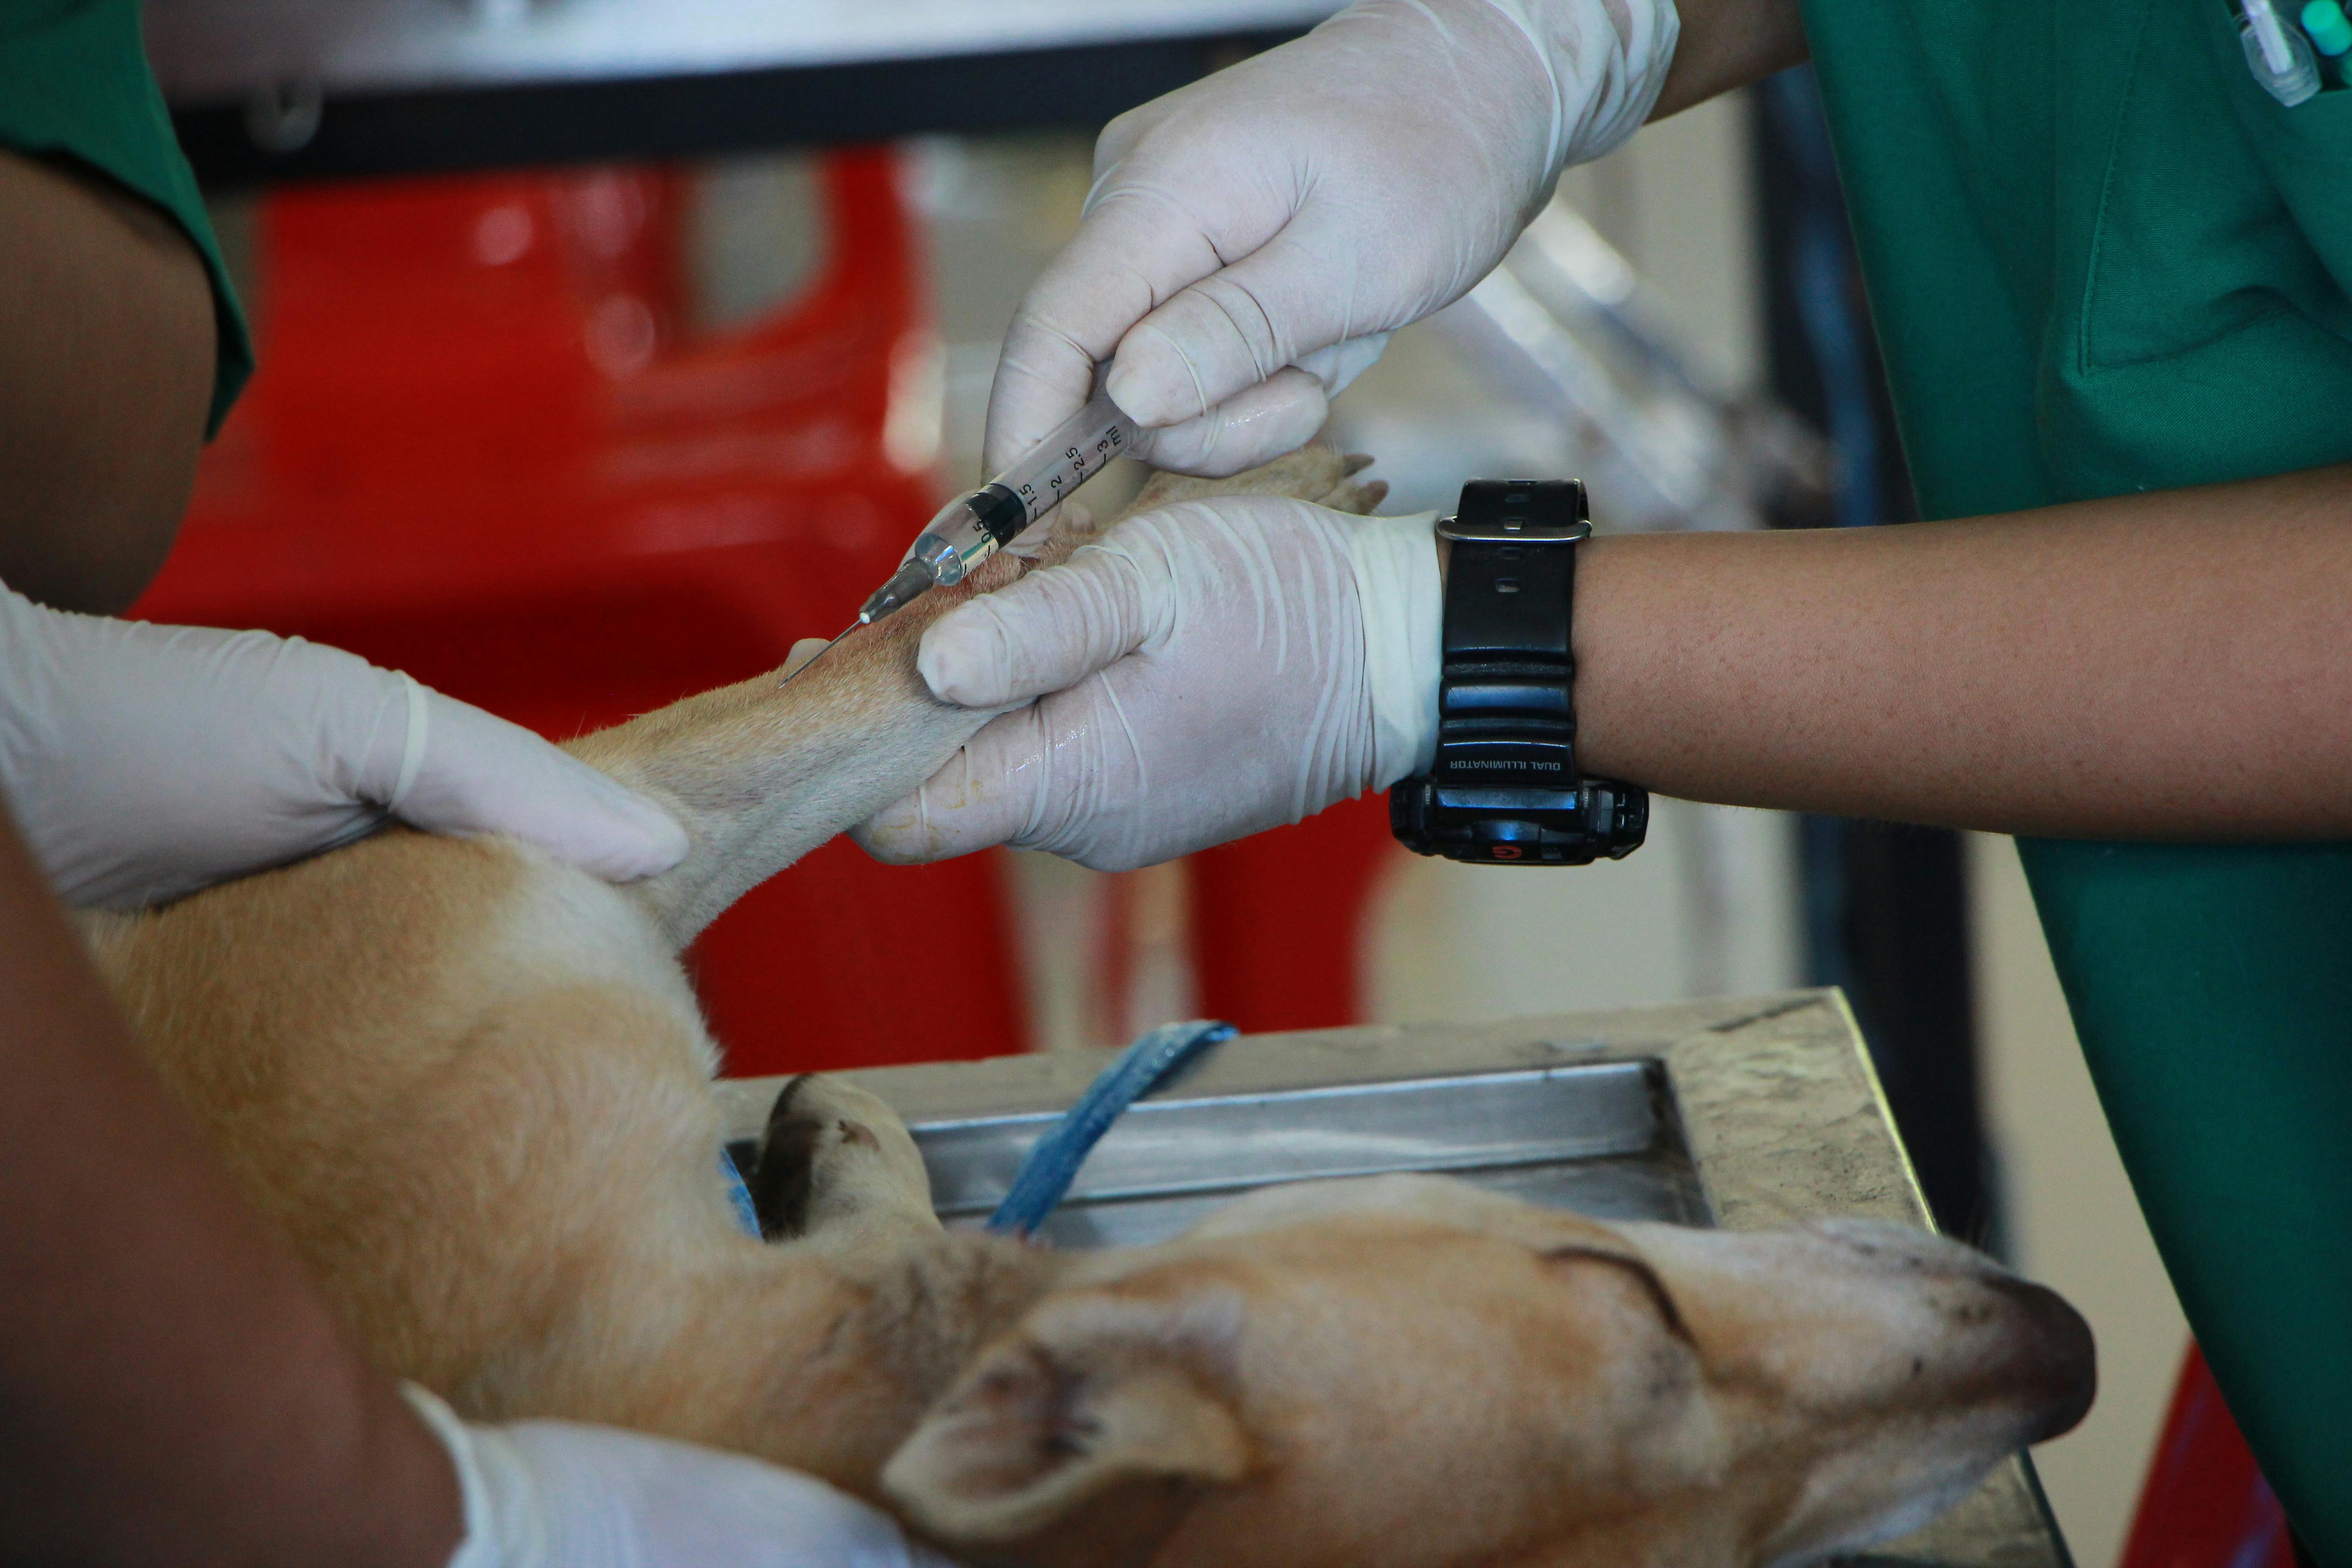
971	528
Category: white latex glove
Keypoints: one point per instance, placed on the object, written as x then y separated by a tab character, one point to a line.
1214	668
144	762
557	1494
1253	238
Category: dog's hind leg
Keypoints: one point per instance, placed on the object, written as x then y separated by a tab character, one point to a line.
838	1169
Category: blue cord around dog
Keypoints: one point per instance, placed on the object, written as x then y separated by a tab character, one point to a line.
1052	1163
739	1196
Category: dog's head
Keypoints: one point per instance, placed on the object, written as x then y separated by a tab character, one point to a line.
1406	1373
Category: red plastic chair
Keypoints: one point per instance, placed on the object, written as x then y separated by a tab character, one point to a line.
1280	922
2205	1504
481	449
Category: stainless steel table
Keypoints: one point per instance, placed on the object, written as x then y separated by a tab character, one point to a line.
1737	1114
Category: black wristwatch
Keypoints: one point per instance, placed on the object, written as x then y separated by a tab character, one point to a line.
1503	789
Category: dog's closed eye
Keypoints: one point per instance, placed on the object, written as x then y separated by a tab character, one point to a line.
1638	1269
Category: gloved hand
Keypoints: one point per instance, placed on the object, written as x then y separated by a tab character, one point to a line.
145	762
1293	210
1215	669
558	1494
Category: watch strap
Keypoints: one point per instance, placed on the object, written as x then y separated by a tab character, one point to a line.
1504	787
1505	719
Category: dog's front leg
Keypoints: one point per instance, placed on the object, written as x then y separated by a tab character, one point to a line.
761	772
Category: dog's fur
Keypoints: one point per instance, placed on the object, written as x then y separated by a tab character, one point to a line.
469	1086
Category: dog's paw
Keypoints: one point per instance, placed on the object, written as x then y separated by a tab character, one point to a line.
835	1154
1316	474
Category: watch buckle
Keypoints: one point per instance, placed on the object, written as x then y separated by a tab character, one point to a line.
1514	530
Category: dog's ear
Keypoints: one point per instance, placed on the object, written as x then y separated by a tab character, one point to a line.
1095	1394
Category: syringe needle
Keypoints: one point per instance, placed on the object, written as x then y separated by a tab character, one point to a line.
819	653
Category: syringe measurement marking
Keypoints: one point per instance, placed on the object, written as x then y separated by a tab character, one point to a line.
1105	447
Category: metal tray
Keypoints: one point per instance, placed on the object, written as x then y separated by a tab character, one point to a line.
1734	1114
1601	1139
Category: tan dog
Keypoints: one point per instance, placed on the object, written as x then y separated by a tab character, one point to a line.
469	1085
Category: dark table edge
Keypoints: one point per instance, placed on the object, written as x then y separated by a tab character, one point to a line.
445	131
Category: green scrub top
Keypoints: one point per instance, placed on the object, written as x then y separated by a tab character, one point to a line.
74	85
2102	260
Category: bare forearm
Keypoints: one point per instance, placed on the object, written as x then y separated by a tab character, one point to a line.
2170	666
106	372
173	1389
1726	44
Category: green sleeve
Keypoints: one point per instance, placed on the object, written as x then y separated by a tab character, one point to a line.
74	84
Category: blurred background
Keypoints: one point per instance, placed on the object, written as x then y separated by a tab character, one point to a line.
607	351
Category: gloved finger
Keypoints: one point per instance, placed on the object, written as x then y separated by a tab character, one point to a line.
1125	257
803	650
988	794
1041	380
1255	425
619	1500
1290	298
1121	136
562	1494
1050	630
1338	366
476	773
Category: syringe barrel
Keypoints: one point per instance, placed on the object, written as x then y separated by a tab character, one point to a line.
1079	448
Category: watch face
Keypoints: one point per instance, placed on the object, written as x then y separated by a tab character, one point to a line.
1598	819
